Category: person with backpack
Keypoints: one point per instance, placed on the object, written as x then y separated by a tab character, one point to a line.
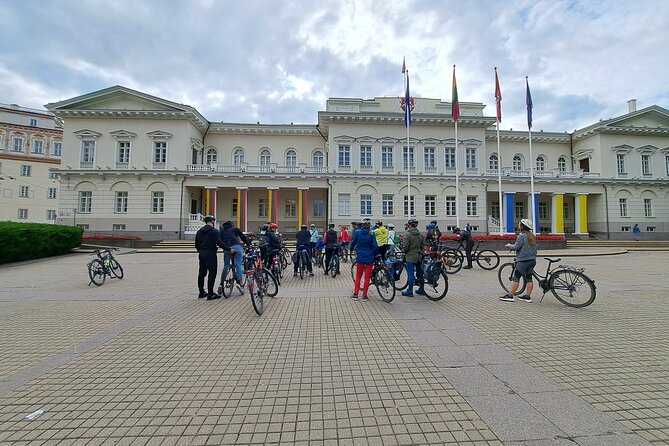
303	239
344	239
313	238
381	234
330	242
272	244
364	243
412	246
393	239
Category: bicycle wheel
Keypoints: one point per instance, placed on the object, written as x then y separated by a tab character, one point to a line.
116	268
353	269
487	259
436	289
228	283
256	296
287	256
385	285
572	288
505	276
96	271
401	277
334	266
270	283
451	260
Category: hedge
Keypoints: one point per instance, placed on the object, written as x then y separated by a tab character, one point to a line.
23	241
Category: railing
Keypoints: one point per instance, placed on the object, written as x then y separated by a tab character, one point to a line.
159	166
196	217
471	171
430	169
122	166
86	164
544	174
287	169
493	225
387	169
344	168
191	229
365	168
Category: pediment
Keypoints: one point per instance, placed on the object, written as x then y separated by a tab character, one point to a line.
159	134
123	134
87	134
651	119
118	98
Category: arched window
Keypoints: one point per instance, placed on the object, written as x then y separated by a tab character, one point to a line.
562	164
291	158
210	156
493	162
238	157
517	162
319	160
265	157
541	163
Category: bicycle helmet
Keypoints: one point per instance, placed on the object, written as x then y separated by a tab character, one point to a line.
273	226
527	223
391	226
303	227
264	228
456	230
209	218
379	223
331	225
412	222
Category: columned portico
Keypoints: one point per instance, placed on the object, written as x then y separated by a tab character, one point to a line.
509	210
557	214
302	206
210	200
533	218
242	208
581	214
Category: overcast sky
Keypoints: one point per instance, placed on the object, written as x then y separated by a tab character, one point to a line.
278	61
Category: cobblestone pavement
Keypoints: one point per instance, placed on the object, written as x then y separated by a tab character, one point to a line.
143	361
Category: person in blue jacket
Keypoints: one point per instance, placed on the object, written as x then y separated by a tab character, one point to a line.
366	248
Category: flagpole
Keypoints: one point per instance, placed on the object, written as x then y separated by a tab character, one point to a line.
455	107
408	123
529	131
498	99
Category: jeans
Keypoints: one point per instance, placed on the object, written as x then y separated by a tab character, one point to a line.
411	271
227	261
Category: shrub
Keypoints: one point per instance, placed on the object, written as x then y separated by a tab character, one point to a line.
23	241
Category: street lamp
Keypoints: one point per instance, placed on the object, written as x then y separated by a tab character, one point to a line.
74	223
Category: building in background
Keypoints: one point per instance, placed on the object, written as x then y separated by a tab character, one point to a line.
31	143
144	165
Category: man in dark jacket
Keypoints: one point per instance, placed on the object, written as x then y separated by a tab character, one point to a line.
412	246
303	238
466	238
272	243
207	241
330	241
233	237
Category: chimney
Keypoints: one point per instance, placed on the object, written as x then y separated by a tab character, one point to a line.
631	105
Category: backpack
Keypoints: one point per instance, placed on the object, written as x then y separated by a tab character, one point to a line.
397	240
432	272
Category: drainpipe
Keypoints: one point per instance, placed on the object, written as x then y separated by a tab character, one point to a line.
606	204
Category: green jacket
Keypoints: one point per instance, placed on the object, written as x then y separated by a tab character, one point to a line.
412	245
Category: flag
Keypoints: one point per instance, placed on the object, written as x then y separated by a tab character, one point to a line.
528	101
498	97
455	105
407	105
404	65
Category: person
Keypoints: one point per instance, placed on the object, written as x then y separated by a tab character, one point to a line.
465	237
381	234
344	239
330	242
233	237
391	239
303	238
636	231
272	244
318	251
364	243
469	228
526	259
412	246
207	241
433	233
313	232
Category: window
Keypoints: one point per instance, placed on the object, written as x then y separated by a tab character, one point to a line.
647	207
344	204
566	211
562	164
625	229
234	207
406	206
450	206
263	207
160	152
517	163
54	175
50	214
123	152
319	208
38	146
541	164
493	162
645	165
365	157
621	163
157	202
543	211
291	158
430	205
429	158
87	151
408	158
33	123
344	156
26	170
387	158
57	148
387	204
121	206
291	208
365	204
520	210
52	192
23	214
449	157
24	191
470	158
265	158
650	228
84	226
85	201
318	159
472	206
155	227
17	145
211	156
494	209
118	227
622	203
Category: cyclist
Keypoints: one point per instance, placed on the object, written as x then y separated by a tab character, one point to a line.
344	238
318	251
233	237
272	243
466	238
330	245
526	257
412	246
392	242
313	239
433	233
364	243
381	234
207	241
303	238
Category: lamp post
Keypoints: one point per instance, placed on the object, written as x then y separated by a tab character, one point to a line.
74	223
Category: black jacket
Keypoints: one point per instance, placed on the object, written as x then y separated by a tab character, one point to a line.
330	238
231	235
209	238
273	241
466	238
303	237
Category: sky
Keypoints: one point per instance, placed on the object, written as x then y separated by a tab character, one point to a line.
278	61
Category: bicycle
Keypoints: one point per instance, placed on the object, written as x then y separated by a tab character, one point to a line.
259	280
276	268
333	266
382	278
485	258
103	266
569	285
301	260
286	255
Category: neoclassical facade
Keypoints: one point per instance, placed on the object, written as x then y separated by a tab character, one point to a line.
144	165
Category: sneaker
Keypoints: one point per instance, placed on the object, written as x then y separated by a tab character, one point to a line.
525	298
421	293
220	289
407	294
354	296
202	294
213	296
506	298
294	274
311	274
365	298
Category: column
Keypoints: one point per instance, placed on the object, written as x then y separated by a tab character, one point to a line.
557	214
507	220
273	200
581	214
210	200
242	220
302	206
305	200
534	218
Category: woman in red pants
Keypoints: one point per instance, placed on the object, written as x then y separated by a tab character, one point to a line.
364	243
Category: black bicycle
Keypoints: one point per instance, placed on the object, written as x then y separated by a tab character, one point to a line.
569	284
486	258
301	260
104	265
333	266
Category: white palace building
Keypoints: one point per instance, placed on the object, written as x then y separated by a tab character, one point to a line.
147	166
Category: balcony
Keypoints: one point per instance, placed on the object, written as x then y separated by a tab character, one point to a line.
387	169
86	165
122	166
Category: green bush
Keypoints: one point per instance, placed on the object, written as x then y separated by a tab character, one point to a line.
23	241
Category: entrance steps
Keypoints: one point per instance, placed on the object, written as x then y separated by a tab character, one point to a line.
630	245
